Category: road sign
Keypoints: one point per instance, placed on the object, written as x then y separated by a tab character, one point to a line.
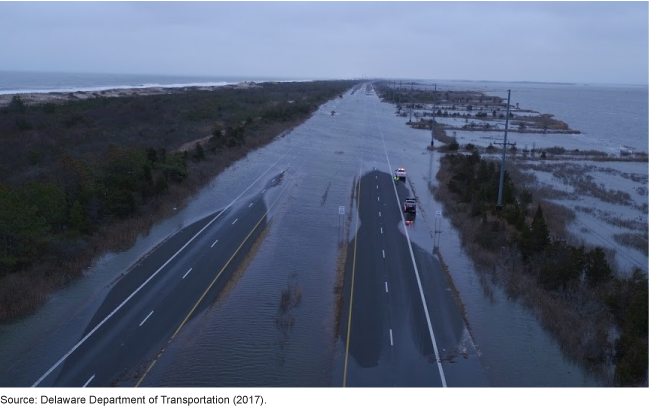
341	210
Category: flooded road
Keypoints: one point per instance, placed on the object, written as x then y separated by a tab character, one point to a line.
273	323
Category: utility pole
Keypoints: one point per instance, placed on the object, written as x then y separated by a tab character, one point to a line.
411	109
503	155
433	116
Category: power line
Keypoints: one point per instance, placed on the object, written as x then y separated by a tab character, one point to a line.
613	245
597	192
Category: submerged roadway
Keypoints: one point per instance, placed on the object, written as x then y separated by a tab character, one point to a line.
399	323
149	305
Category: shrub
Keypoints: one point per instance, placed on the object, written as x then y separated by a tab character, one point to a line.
556	150
22	124
16	105
49	108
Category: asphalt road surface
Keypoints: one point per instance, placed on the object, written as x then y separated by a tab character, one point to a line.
148	305
400	322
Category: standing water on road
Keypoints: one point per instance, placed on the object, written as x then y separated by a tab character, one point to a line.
247	336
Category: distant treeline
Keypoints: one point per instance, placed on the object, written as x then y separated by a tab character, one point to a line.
599	317
70	170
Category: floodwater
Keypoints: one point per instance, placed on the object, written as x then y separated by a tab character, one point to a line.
242	339
611	119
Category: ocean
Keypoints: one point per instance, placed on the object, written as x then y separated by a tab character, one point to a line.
610	118
12	82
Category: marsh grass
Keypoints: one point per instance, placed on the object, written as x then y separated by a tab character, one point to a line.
637	241
577	314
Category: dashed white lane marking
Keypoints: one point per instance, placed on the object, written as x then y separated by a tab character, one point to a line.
146	318
380	214
188	272
383	253
273	180
390	331
377	199
89	380
415	268
381	229
250	205
386	284
215	242
377	186
151	277
235	221
264	190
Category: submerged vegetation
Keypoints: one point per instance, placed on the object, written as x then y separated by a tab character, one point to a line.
475	110
81	177
599	317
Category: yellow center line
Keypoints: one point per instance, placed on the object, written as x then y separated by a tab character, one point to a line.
354	263
209	287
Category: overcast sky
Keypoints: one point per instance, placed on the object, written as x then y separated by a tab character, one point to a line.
592	42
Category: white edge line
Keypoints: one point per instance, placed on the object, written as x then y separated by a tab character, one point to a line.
89	380
89	334
148	315
188	272
415	267
215	242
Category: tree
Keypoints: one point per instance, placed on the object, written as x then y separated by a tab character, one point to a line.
16	105
49	201
562	265
78	218
216	131
597	269
160	186
199	154
632	346
21	230
174	167
22	124
74	178
539	231
152	154
453	146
